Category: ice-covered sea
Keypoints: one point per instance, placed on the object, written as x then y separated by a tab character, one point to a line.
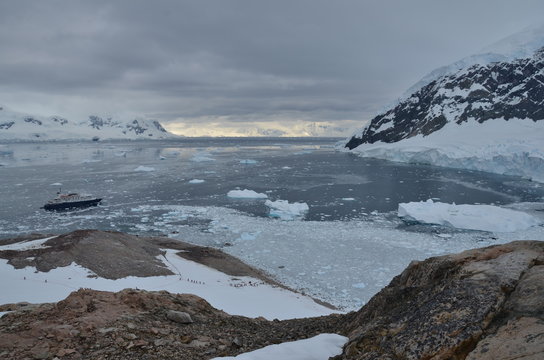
348	245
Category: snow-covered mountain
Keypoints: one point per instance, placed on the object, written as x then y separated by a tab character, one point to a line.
487	116
517	46
15	126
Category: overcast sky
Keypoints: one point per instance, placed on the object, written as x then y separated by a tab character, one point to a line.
233	63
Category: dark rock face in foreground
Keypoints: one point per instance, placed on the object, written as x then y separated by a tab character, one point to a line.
482	92
480	304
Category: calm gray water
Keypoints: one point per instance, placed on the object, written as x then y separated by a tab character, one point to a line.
336	186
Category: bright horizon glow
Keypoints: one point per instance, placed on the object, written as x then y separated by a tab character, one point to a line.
282	128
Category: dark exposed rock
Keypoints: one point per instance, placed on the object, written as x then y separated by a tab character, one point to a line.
482	92
455	306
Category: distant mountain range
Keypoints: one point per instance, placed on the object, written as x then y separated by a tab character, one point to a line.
478	113
16	126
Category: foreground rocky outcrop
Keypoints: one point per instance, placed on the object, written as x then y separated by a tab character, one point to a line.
136	324
480	304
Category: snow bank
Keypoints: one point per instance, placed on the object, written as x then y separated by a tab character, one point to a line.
286	211
246	194
239	295
513	147
472	217
320	347
144	168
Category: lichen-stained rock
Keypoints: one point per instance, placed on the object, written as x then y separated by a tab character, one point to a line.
457	306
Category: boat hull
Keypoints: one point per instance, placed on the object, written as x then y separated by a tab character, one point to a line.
71	205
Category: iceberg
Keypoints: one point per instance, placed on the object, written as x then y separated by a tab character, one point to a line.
246	194
284	210
471	217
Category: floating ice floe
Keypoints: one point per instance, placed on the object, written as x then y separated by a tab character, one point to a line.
202	157
144	168
246	194
320	347
471	217
196	181
248	162
286	211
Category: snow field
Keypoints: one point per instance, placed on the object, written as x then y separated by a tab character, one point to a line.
238	296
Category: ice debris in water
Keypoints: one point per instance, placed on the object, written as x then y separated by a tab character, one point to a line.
471	217
202	157
196	181
144	168
246	194
287	211
248	161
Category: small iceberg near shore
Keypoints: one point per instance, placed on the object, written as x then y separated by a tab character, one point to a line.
144	168
284	210
246	194
471	217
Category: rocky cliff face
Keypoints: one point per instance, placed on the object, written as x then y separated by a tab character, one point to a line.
501	90
480	304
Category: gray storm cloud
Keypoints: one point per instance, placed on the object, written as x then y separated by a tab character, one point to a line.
236	60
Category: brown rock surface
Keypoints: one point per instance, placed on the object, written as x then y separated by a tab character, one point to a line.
480	304
133	324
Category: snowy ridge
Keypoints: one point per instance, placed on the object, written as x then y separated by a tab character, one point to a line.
15	126
517	46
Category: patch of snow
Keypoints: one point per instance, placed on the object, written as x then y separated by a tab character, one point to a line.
27	245
144	168
246	194
320	347
196	181
286	211
471	217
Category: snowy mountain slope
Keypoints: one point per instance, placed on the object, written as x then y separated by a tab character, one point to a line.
517	46
486	117
16	126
